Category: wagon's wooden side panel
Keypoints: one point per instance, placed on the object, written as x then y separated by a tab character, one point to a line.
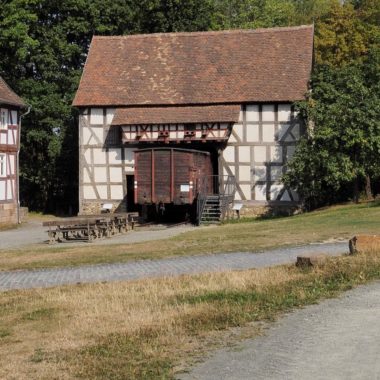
169	175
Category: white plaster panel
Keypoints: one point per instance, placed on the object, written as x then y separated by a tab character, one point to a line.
244	153
276	154
114	156
102	190
238	129
12	163
110	115
260	153
10	185
252	113
276	173
237	196
129	156
295	196
274	191
268	112
100	174
285	196
268	133
86	135
296	131
99	156
10	137
86	177
232	139
282	129
3	138
2	190
252	133
99	133
241	116
232	169
260	192
284	112
244	173
96	116
13	117
117	192
246	189
290	151
88	192
116	175
87	156
260	173
229	154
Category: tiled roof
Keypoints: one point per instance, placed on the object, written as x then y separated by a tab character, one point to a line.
176	115
198	68
7	96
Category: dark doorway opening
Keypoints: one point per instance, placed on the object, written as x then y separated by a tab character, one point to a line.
131	205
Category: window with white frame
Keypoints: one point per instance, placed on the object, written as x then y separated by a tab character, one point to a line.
3	165
3	118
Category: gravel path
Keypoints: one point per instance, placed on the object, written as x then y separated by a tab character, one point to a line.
336	339
32	233
164	267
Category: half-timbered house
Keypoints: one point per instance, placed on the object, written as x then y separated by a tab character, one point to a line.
229	93
10	106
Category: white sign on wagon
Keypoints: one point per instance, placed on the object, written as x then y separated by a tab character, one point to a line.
185	188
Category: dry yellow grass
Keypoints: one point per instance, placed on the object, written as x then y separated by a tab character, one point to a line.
145	329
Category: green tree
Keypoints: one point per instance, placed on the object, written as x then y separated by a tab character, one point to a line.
340	155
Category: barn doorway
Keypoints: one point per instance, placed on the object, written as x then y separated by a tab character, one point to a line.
131	205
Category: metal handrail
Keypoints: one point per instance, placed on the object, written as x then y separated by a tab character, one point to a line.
223	186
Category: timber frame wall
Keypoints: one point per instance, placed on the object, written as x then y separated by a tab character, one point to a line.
258	149
8	155
256	153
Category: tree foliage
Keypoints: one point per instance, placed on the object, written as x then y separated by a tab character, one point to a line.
44	45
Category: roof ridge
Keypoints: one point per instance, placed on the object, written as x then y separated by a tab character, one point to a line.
210	32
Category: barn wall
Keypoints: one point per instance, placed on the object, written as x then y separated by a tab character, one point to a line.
103	162
259	146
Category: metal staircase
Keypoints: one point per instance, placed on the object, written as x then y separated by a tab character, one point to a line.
215	197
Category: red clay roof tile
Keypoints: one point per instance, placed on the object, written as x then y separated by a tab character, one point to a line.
176	115
198	68
7	96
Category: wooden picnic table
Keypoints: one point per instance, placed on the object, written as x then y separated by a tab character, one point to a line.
90	227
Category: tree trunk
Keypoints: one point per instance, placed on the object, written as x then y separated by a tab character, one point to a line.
368	189
356	190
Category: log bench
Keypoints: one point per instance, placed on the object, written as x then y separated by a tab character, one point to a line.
90	227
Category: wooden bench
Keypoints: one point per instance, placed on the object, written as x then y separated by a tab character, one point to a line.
90	227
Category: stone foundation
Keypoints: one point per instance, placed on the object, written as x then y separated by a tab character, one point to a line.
257	210
95	207
8	213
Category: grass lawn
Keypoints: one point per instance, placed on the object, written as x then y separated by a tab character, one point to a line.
150	329
251	235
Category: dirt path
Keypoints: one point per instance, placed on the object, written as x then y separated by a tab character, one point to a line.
336	339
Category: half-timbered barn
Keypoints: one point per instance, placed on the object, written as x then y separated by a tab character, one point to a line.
10	106
229	94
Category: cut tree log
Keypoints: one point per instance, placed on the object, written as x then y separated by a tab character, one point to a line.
311	260
364	243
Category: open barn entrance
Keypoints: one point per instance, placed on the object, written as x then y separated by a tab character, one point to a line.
131	205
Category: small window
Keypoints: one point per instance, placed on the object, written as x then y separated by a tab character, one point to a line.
3	165
3	119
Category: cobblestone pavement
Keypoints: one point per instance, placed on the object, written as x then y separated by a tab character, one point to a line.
159	268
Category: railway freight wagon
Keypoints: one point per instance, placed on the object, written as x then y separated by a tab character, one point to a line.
170	177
